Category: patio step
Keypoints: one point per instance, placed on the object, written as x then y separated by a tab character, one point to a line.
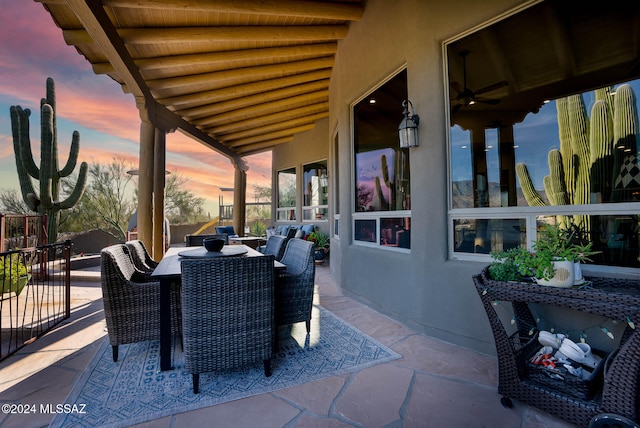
85	275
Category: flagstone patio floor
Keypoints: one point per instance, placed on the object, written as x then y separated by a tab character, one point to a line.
434	384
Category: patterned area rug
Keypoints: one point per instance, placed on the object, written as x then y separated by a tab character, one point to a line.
133	390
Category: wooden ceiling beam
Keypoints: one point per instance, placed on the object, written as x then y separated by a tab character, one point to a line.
278	126
225	57
243	90
264	120
263	109
93	17
306	9
220	79
241	102
251	149
272	135
153	36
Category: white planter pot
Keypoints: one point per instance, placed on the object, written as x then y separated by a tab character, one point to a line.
564	275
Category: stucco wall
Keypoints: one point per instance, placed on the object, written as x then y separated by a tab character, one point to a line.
423	289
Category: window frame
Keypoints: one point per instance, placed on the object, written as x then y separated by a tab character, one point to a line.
334	181
313	208
372	215
280	209
529	213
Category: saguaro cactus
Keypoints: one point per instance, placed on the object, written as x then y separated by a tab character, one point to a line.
593	152
47	201
395	183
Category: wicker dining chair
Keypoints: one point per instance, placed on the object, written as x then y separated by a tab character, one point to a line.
227	313
295	286
196	240
276	245
131	303
140	256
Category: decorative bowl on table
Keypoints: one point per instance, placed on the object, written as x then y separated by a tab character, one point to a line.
213	244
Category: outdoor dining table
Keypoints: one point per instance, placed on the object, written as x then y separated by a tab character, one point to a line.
169	272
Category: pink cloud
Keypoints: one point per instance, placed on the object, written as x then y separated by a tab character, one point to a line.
94	102
6	146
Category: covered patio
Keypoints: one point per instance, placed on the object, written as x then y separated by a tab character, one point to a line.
320	84
240	77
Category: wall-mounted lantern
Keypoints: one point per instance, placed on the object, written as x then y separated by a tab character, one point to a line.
408	129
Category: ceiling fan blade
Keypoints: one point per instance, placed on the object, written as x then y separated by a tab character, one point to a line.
492	88
455	108
457	87
492	101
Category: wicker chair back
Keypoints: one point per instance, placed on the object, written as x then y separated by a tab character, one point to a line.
227	313
276	245
294	291
140	256
132	309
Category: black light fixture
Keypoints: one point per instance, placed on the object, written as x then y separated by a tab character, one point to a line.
408	129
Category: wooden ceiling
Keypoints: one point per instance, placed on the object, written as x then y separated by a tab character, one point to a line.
547	51
241	76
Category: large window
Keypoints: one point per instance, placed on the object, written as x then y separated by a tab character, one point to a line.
382	169
286	210
316	191
543	129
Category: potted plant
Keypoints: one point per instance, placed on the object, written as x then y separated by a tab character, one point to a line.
13	274
555	255
321	243
510	265
552	262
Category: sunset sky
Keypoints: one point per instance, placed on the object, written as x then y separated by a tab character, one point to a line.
33	49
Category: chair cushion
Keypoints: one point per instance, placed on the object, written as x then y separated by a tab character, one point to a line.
308	228
228	230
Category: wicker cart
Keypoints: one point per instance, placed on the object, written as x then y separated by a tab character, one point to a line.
618	299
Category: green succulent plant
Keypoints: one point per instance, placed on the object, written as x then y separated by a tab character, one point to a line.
554	243
258	228
319	238
13	273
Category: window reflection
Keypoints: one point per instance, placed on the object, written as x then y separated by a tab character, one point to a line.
532	125
395	232
482	236
316	191
365	230
381	167
614	237
286	194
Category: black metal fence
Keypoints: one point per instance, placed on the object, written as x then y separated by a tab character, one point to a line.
36	293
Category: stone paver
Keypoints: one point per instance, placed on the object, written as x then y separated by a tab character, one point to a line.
374	396
264	411
434	356
317	396
433	384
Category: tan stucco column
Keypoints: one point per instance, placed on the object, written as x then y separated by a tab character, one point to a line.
159	169
145	178
239	196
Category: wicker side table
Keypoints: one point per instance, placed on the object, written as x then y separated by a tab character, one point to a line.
613	298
